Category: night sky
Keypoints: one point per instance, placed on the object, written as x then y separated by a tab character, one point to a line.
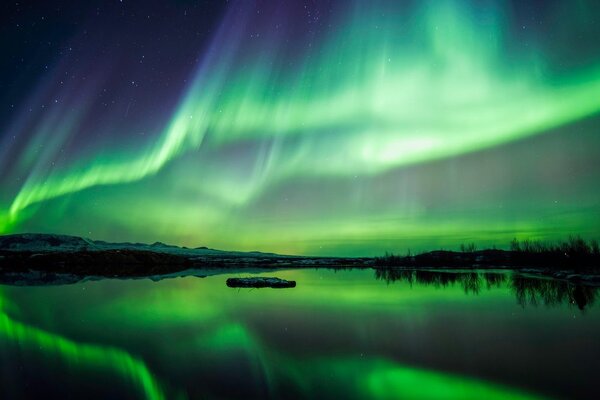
316	127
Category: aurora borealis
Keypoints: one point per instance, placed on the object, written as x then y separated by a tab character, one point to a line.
339	128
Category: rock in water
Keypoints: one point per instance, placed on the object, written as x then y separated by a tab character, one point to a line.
259	282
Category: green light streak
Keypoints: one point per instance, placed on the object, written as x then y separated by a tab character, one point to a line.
79	354
365	101
387	380
199	325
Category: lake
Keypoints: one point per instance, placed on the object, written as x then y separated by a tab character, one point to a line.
358	334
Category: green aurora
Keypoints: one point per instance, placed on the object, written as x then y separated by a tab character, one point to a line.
408	126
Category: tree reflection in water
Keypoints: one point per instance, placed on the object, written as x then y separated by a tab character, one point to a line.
528	290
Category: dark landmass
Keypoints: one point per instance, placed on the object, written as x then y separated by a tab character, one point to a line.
70	254
44	258
575	254
260	282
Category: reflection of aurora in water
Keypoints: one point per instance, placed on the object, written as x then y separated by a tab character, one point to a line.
208	336
374	378
386	87
81	355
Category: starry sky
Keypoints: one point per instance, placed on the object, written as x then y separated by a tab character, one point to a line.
301	127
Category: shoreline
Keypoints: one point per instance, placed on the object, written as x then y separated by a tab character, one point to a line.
42	256
29	276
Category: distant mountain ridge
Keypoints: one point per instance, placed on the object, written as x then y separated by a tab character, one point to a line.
53	243
43	242
36	258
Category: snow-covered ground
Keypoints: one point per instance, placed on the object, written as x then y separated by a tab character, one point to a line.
44	243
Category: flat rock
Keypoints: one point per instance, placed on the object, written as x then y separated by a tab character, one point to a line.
260	282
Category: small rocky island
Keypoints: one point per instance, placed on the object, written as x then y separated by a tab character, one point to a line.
260	282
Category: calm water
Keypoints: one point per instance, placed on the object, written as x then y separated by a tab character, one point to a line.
338	334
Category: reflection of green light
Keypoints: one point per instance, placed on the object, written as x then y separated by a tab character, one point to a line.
232	337
389	381
82	354
364	101
209	326
383	379
374	378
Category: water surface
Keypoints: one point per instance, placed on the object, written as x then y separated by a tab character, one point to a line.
338	334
